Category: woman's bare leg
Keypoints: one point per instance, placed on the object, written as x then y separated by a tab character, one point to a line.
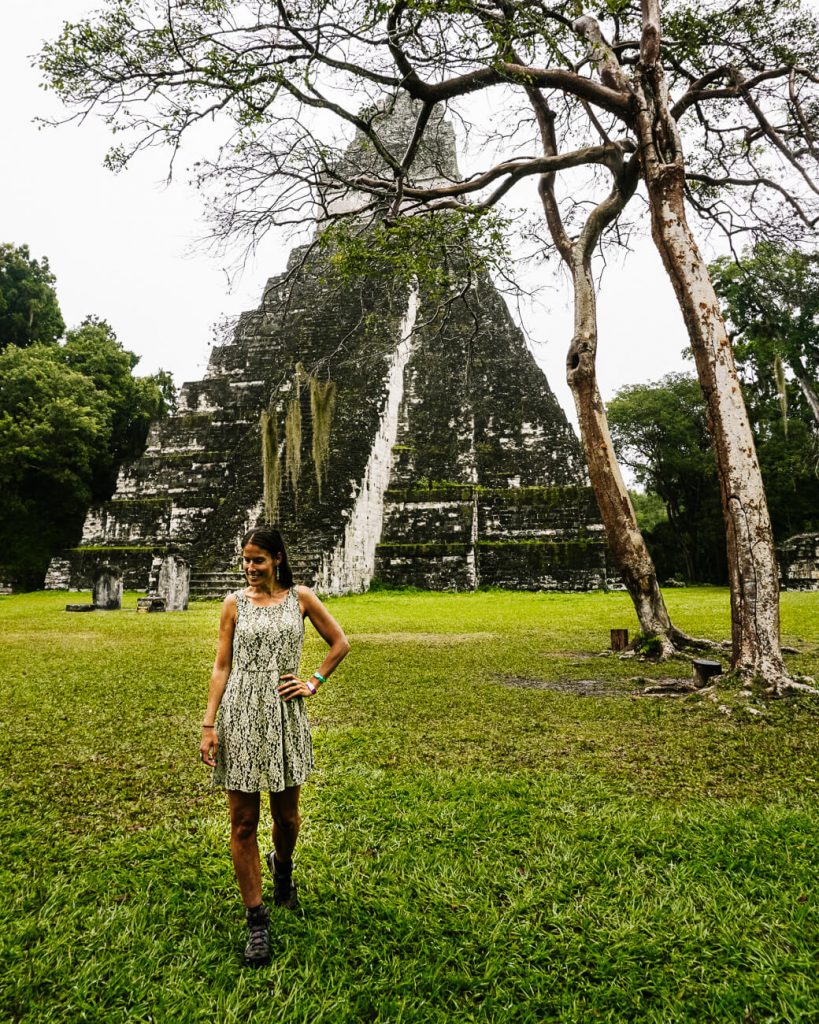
244	849
284	809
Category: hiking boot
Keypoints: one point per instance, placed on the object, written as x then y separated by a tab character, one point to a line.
257	950
284	888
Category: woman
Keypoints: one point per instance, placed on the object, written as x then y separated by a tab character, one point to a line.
262	739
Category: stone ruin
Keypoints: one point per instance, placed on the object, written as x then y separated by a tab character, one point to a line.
107	588
410	442
170	580
799	562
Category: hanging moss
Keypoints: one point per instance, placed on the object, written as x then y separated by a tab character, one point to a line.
322	407
271	467
292	433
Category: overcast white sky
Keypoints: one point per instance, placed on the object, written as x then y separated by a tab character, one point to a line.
123	246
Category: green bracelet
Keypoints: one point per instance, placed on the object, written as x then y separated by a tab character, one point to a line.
319	676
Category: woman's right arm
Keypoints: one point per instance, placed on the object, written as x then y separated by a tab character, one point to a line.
218	680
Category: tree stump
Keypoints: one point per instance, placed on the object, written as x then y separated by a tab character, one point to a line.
704	670
619	639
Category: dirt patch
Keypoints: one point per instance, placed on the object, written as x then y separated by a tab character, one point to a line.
599	687
431	639
579	687
574	655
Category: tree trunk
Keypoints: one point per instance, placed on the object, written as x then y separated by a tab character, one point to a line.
752	567
806	385
616	510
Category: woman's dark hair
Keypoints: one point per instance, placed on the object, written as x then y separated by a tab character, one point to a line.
270	540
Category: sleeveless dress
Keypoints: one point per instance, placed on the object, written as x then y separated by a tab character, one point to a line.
264	741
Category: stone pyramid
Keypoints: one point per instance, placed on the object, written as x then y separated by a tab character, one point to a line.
448	463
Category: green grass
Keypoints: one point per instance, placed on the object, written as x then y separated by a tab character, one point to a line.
472	851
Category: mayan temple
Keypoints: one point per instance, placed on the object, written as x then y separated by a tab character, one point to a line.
408	441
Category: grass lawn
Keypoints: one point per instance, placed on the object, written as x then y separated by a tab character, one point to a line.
498	829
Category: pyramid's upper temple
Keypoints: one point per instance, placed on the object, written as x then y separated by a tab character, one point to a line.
409	441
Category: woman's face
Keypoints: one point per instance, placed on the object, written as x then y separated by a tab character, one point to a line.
259	565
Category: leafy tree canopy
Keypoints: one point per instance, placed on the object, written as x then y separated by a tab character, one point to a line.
93	350
291	84
771	302
54	428
29	311
659	432
70	414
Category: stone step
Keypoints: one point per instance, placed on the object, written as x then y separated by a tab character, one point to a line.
212	586
227	574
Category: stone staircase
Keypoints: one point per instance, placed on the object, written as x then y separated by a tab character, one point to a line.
304	564
213	586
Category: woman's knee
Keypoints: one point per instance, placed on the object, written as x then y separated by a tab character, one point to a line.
286	817
244	826
244	823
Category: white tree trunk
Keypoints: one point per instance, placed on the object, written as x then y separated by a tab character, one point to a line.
806	385
752	567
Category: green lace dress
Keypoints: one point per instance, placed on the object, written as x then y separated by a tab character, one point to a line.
264	742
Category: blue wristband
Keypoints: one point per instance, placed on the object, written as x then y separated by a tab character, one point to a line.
320	677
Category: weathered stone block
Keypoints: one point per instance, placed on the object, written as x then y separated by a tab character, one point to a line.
107	590
799	562
170	579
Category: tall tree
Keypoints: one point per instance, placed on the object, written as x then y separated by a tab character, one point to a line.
29	311
54	426
69	416
133	402
157	69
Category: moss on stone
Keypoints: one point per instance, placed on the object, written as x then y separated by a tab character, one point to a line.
271	466
322	407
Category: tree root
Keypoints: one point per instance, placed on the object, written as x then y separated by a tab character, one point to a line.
696	643
788	685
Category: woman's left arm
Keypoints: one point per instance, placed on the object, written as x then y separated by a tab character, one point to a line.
332	634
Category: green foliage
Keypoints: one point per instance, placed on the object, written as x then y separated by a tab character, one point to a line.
647	645
29	311
699	31
659	431
54	428
771	302
472	852
649	509
93	350
431	250
69	415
